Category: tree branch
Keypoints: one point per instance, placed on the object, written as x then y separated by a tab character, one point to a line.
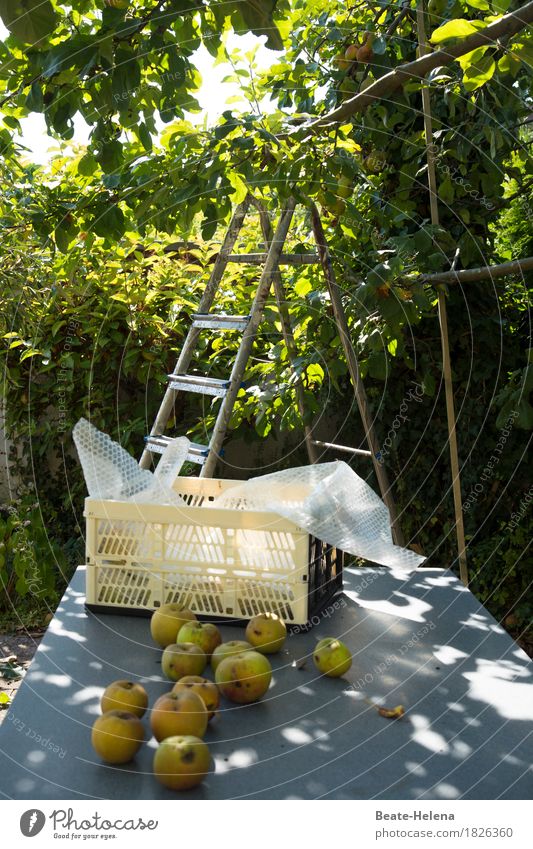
470	275
508	26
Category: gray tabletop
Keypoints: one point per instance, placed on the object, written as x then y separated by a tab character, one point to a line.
423	642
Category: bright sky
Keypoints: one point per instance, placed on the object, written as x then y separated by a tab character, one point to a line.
212	96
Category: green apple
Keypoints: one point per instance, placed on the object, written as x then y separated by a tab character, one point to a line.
125	696
203	634
226	650
183	659
344	187
332	657
266	632
244	678
181	762
166	622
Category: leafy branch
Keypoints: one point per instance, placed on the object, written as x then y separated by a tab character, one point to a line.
508	25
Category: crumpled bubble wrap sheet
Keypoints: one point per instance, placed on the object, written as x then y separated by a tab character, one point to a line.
330	501
111	473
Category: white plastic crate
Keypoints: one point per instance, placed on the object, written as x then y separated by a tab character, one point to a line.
221	563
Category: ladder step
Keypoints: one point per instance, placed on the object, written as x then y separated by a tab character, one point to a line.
220	322
285	259
195	383
197	453
345	449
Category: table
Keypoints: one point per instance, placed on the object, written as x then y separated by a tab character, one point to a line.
423	641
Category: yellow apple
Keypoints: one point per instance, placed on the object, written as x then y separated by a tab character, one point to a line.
245	677
178	713
117	736
226	650
331	657
266	632
204	688
166	622
181	762
182	659
125	696
204	634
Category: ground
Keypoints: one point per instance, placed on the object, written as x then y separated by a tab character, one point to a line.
23	645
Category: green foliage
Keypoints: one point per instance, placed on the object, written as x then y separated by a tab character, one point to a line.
31	563
119	64
502	573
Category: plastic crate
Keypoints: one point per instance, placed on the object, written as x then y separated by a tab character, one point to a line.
221	563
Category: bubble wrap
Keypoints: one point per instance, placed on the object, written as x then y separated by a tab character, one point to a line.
111	473
331	502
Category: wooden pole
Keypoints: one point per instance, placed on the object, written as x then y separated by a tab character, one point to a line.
443	316
355	374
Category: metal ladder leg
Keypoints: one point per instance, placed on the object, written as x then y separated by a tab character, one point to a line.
288	336
243	354
187	351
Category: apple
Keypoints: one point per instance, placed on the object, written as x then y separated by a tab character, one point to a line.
178	713
207	691
117	736
266	632
204	634
351	53
181	762
332	657
166	622
182	659
336	207
341	62
125	696
226	650
375	162
244	677
344	187
365	54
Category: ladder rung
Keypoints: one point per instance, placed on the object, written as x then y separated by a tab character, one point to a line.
285	259
344	448
195	383
197	453
221	322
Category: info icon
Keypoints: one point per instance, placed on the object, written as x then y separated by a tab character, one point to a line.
32	822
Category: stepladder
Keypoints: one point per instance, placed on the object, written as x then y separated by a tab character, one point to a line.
211	317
